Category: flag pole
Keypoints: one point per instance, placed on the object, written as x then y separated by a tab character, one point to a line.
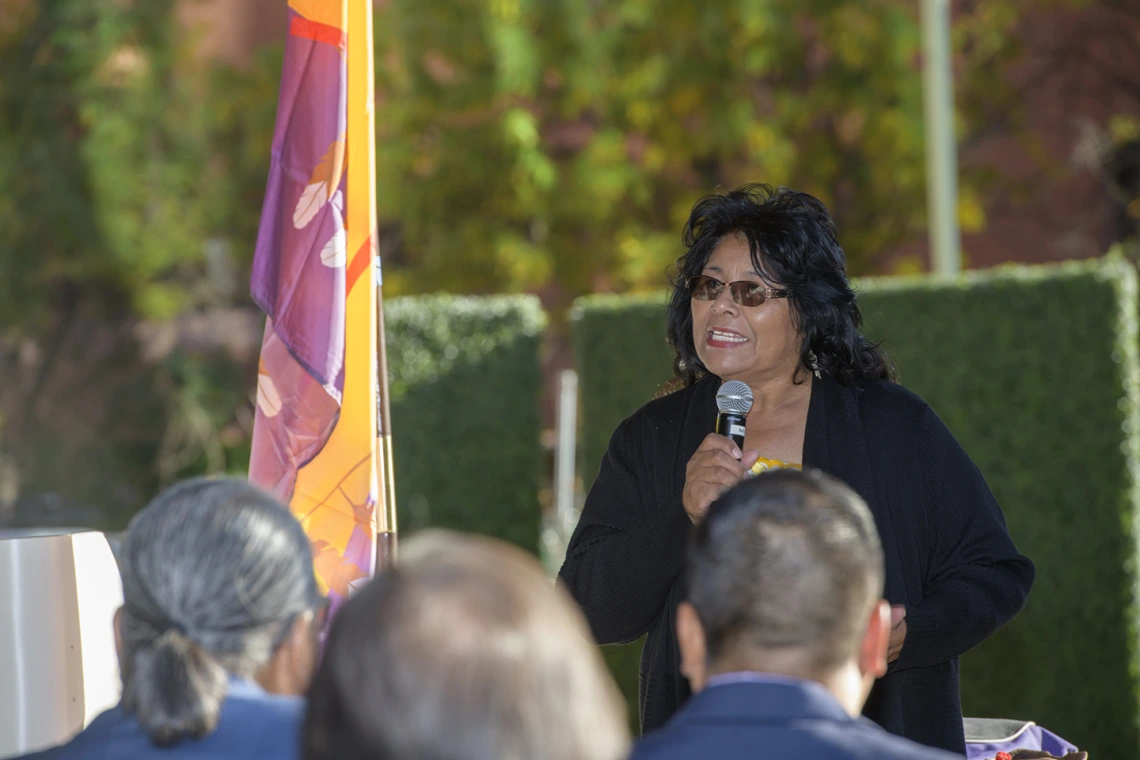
386	520
360	21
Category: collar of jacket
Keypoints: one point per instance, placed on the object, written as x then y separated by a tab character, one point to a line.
768	702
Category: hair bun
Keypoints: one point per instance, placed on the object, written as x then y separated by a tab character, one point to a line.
178	688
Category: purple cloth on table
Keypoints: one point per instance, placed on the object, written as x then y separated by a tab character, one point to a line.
985	738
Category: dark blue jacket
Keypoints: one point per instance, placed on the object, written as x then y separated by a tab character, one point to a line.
781	721
253	724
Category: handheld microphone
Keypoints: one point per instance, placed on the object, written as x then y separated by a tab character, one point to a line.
734	400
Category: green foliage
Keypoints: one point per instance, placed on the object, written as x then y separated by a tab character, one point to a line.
564	142
558	145
131	178
465	382
561	143
240	114
1035	371
624	663
613	335
102	154
550	146
92	461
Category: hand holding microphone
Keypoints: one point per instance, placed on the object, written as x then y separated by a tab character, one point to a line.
719	463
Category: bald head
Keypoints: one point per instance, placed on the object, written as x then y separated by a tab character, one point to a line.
464	651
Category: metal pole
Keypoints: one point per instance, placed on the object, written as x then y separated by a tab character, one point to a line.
567	441
941	143
386	520
360	47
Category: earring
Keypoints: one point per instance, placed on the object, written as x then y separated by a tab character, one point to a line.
813	363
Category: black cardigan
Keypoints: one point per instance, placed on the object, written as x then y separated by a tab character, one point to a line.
949	557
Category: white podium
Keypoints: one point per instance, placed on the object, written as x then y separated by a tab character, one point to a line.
58	668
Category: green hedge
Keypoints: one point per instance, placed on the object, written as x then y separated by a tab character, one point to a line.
622	359
465	383
1034	369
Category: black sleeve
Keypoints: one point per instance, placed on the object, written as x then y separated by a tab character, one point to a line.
627	550
975	581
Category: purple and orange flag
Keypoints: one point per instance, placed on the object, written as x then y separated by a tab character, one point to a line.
315	273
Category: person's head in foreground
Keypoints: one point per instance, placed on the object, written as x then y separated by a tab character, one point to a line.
463	651
218	630
785	629
786	576
218	585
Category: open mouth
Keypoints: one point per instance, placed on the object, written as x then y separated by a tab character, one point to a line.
724	338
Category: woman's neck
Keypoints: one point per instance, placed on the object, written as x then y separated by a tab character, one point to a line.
779	392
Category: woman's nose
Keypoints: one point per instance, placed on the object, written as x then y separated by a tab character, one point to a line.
723	303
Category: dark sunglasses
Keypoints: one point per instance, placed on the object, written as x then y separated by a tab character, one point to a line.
745	293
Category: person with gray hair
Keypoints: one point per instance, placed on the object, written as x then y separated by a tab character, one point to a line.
784	630
217	635
463	651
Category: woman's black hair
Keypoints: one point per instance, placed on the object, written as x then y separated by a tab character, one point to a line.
793	244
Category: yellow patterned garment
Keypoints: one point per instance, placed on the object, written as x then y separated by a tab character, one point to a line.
767	465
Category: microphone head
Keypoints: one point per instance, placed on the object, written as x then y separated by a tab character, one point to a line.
734	396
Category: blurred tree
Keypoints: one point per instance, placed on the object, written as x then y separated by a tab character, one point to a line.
553	146
558	145
1070	69
107	193
100	134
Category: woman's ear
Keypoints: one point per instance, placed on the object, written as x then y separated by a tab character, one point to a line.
117	624
291	667
691	639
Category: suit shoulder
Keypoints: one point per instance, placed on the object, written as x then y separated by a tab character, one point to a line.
260	726
275	709
808	739
874	742
665	744
52	753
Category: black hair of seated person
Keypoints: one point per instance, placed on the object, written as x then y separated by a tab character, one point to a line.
214	572
785	561
463	651
792	239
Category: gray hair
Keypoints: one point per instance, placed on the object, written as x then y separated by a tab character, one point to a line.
214	573
464	651
786	561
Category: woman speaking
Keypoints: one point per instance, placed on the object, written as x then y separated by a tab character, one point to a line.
762	297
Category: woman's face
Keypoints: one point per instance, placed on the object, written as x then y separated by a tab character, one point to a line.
754	344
